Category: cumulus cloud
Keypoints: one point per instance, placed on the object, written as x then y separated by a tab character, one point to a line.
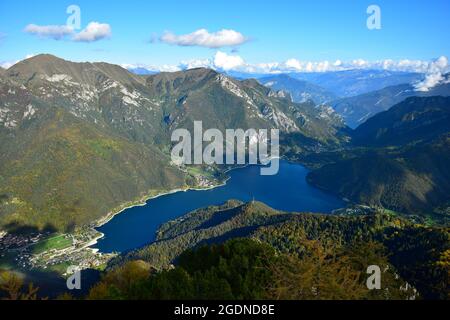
293	64
223	61
227	62
52	31
93	32
430	81
166	68
434	75
203	38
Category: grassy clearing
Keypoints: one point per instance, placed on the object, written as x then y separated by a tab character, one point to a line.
57	242
196	170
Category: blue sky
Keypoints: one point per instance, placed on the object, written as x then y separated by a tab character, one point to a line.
275	31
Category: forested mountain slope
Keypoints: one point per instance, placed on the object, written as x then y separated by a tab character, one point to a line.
306	245
401	162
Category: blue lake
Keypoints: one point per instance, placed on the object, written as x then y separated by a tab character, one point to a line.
287	190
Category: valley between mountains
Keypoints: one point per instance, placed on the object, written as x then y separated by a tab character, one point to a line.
79	142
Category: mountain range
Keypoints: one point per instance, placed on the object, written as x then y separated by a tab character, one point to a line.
345	83
300	91
78	140
415	119
400	160
58	167
81	140
355	95
356	110
358	81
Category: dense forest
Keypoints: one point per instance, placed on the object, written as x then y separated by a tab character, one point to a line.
303	250
247	269
251	251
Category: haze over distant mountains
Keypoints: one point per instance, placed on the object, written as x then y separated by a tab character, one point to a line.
363	93
342	84
356	110
355	82
141	71
299	90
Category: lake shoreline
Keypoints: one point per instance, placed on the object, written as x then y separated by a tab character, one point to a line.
143	202
311	201
145	199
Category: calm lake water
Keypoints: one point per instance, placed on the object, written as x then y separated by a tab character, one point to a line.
287	190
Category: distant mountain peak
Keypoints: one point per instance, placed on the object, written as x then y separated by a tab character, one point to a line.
49	65
300	91
45	64
40	60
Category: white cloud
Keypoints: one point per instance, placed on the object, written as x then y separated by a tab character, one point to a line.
359	63
202	38
196	63
227	62
223	61
93	32
167	68
434	75
153	68
429	82
52	31
6	64
293	64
